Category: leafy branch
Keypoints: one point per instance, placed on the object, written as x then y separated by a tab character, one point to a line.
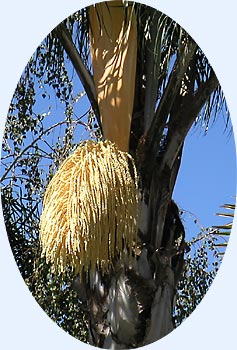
19	156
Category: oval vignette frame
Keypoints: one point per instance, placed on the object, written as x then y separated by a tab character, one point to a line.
200	318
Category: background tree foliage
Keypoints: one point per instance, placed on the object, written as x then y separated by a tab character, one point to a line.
51	111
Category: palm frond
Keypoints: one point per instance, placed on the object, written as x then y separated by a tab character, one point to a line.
223	231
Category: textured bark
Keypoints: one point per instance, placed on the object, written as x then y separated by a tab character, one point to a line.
133	305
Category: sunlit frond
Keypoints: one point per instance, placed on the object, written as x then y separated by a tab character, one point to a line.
223	231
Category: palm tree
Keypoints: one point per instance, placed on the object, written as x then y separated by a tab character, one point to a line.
174	87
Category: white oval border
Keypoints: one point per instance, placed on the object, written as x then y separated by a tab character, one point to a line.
23	25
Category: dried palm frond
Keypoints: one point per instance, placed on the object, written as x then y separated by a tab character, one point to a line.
90	208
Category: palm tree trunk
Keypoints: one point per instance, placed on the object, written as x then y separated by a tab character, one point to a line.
134	306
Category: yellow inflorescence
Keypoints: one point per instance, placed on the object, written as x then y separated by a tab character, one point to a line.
90	208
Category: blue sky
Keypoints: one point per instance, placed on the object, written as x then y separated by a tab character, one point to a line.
207	176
